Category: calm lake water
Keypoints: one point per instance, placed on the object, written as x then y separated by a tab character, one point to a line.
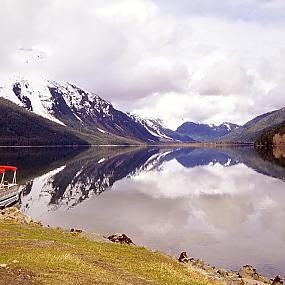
225	205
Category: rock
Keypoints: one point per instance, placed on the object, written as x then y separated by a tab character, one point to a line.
28	220
77	231
10	213
184	257
264	280
277	280
250	272
3	265
120	238
13	213
209	269
198	262
224	273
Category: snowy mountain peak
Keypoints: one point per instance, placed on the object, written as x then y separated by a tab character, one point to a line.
154	126
206	132
69	105
43	96
31	93
157	128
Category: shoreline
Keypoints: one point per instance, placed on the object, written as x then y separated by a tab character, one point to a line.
246	276
162	144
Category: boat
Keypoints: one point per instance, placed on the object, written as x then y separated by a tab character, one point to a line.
9	191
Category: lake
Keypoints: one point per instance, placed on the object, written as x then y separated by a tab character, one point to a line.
224	205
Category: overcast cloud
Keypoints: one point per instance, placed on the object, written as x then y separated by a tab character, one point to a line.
208	61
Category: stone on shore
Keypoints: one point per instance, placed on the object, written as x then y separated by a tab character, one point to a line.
277	280
249	272
224	273
120	238
14	214
76	231
3	265
184	257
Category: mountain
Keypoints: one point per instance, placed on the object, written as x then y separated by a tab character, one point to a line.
157	128
22	127
250	131
205	132
69	105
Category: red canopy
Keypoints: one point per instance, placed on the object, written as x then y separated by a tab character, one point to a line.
6	167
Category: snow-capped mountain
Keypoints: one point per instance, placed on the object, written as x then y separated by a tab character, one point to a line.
157	128
154	126
206	132
69	105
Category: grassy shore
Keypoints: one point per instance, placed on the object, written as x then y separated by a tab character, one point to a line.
32	254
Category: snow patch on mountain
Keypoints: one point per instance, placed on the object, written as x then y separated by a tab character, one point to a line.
35	94
78	99
101	131
31	93
206	132
69	105
155	126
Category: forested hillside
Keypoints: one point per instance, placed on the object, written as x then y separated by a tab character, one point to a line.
21	127
274	136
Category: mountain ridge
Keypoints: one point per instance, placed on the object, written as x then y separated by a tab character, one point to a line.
20	127
254	128
69	105
157	128
88	114
205	132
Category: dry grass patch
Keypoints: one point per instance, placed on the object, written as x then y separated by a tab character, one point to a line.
54	256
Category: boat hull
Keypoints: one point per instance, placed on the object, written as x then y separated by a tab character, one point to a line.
9	195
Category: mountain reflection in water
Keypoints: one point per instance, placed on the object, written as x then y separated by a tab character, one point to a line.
223	205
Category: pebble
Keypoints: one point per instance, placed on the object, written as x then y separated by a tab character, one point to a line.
3	265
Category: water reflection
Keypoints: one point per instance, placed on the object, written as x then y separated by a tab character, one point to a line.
276	155
223	205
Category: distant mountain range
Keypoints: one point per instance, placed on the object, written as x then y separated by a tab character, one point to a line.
205	132
157	128
43	111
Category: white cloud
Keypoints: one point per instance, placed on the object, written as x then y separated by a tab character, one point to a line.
144	54
175	108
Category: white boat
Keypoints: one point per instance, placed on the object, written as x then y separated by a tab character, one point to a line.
9	191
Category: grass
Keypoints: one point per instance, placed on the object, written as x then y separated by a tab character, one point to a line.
55	256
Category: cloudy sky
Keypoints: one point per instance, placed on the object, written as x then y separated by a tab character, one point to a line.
199	60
